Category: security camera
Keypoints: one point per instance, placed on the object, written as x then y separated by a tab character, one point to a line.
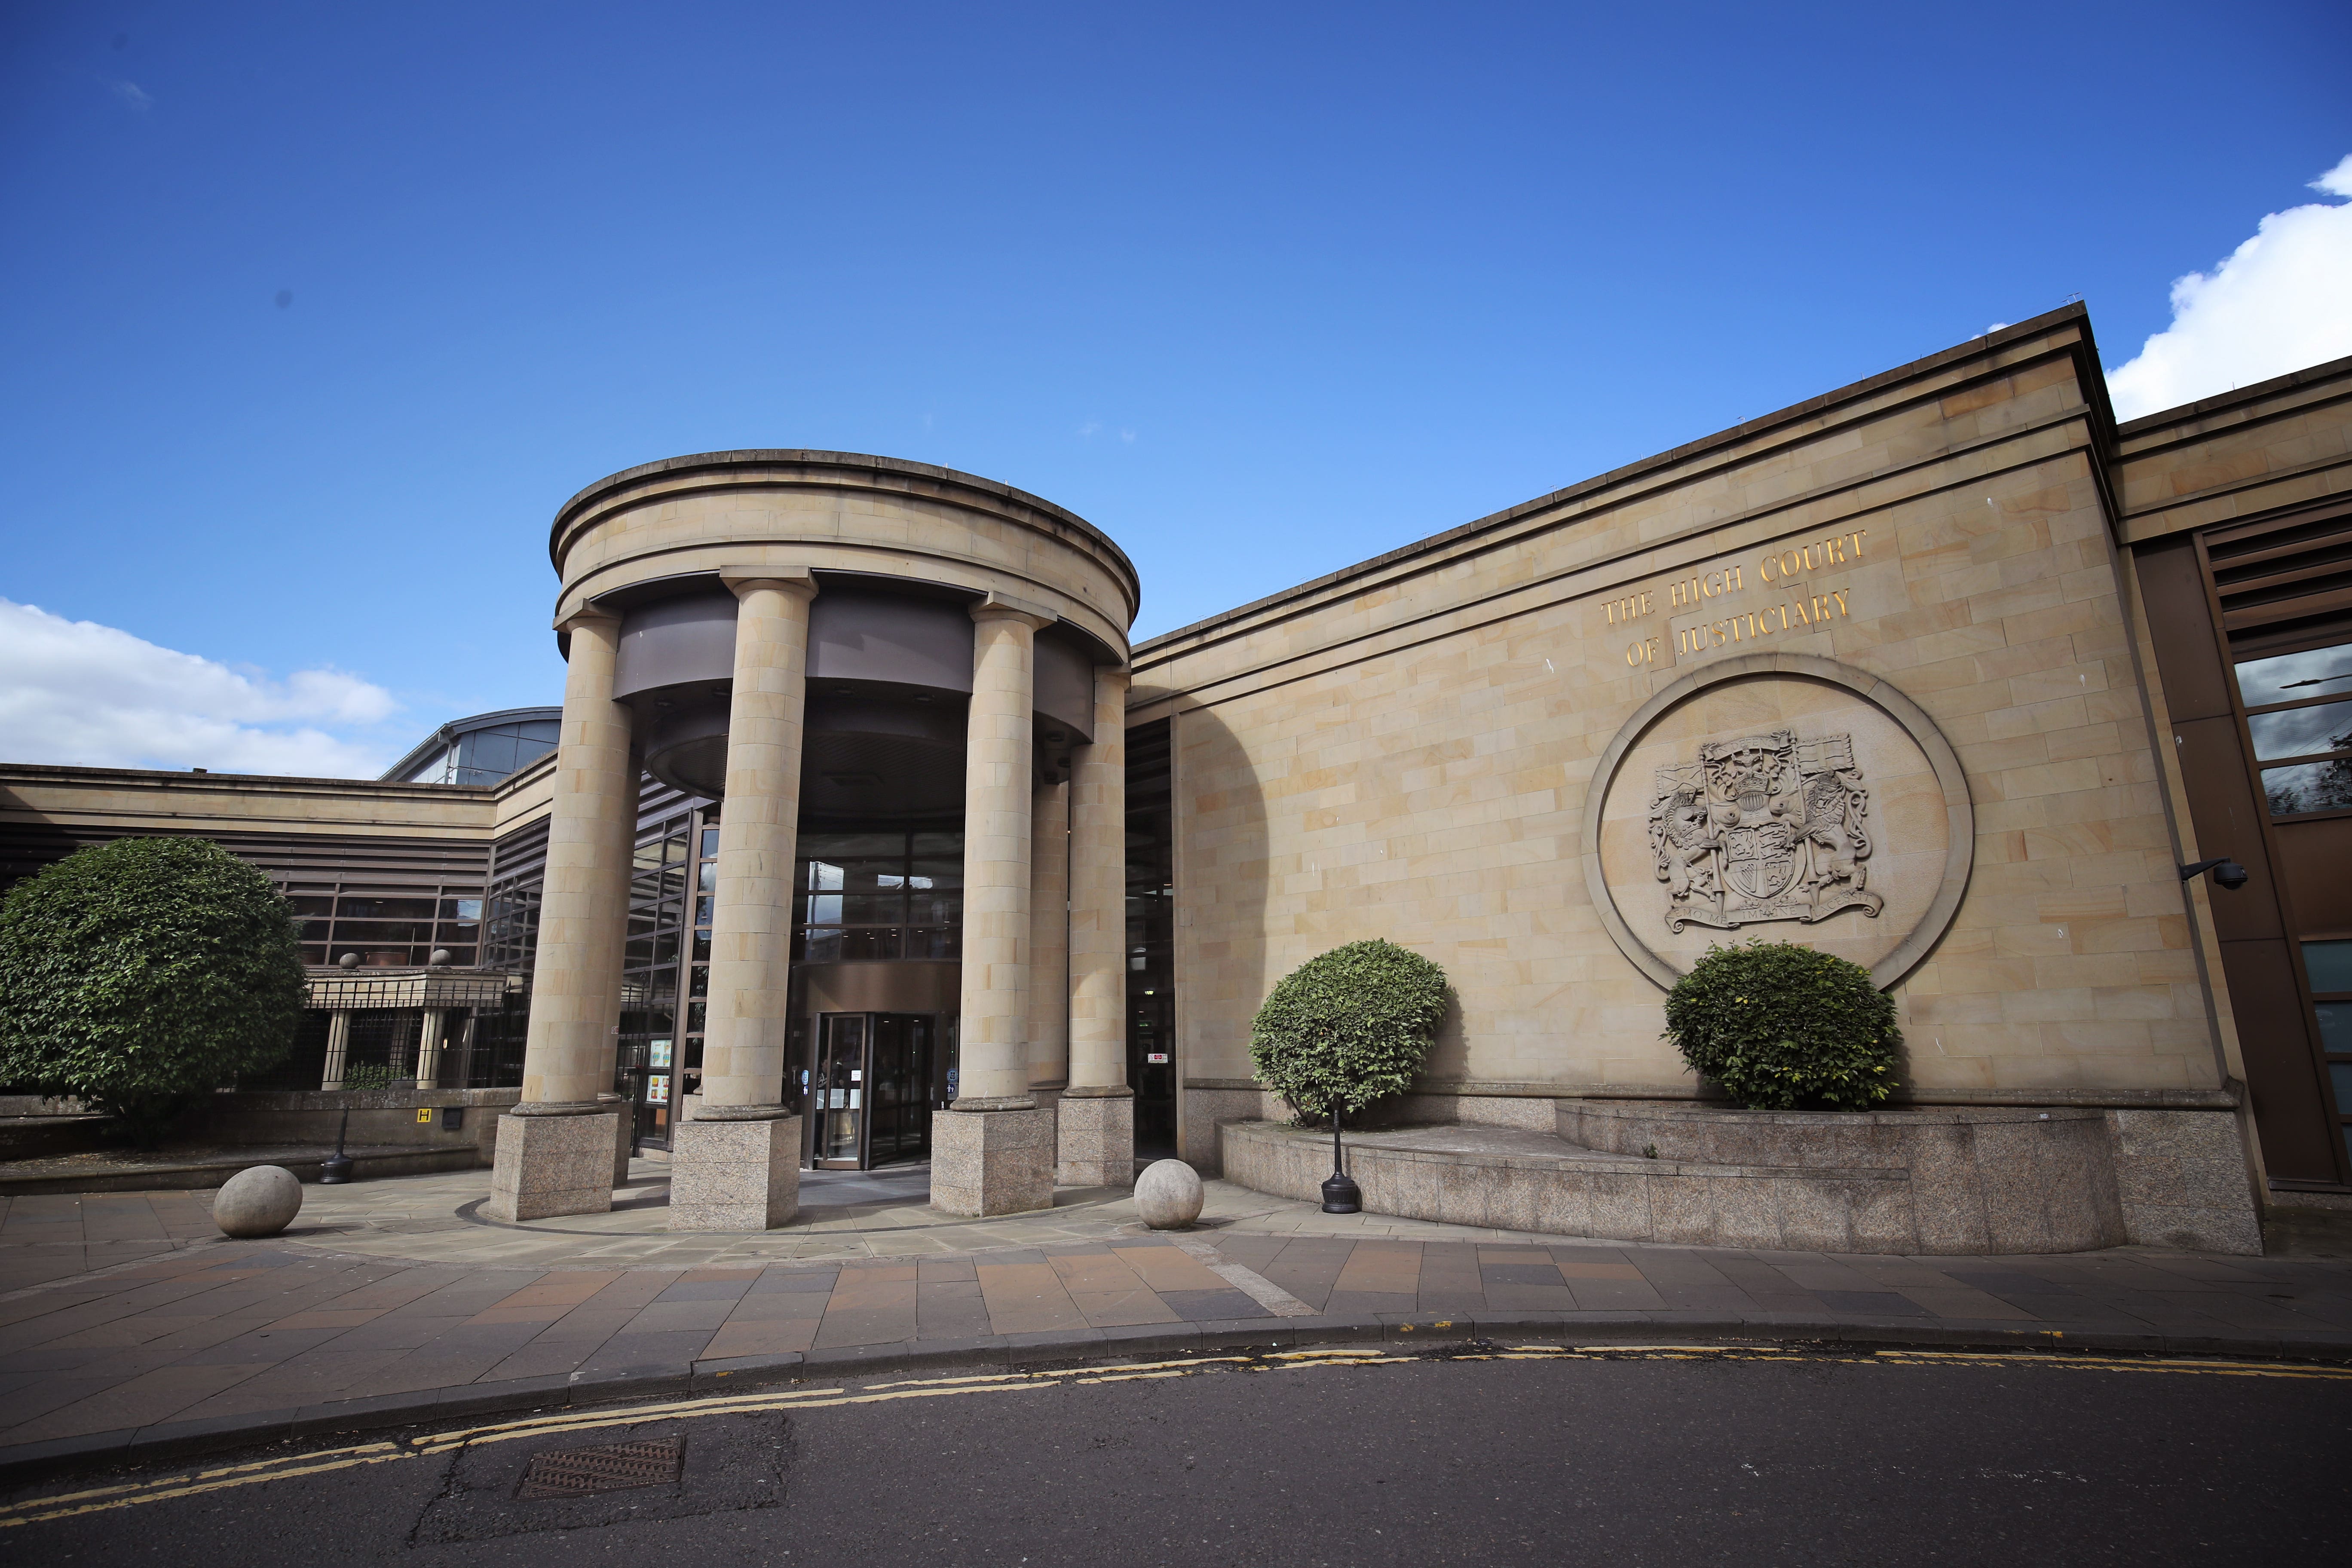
2226	871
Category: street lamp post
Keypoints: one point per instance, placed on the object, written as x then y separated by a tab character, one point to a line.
1341	1193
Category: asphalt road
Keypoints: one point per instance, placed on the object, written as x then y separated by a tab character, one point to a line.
1625	1461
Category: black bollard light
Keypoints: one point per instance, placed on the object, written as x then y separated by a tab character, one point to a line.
337	1168
1341	1193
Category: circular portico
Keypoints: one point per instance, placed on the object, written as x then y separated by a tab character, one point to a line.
861	655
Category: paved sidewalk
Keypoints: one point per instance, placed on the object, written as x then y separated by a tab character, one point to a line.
127	1321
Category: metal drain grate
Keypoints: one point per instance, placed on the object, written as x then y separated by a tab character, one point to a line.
610	1467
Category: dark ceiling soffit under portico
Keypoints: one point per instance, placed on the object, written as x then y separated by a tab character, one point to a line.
652	590
992	494
2083	351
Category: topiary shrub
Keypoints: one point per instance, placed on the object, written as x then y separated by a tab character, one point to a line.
141	974
1781	1028
1348	1027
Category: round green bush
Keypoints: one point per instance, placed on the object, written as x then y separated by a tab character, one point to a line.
141	974
1348	1027
1781	1028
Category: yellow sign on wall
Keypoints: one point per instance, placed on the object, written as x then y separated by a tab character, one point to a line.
424	1114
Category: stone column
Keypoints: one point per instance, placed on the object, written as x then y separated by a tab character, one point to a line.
737	1165
1096	1142
339	1048
1049	937
428	1048
555	1148
993	1150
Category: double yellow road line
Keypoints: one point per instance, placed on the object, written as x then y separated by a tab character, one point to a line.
432	1445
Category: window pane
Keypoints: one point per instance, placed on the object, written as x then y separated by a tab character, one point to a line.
939	871
312	906
387	909
382	931
871	908
2342	1073
709	842
854	846
2329	965
2315	672
823	910
822	877
2298	731
933	944
2335	1026
2308	786
935	908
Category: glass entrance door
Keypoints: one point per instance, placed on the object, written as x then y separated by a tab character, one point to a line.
839	1102
874	1089
901	1117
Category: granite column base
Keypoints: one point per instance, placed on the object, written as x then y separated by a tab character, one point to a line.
735	1176
988	1162
551	1165
1095	1140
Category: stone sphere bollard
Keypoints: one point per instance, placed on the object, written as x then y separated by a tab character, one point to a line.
1168	1195
261	1200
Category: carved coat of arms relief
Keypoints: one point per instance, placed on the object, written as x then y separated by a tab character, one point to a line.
1765	827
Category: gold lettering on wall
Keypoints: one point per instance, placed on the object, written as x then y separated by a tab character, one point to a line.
1631	607
1751	625
1783	567
1808	558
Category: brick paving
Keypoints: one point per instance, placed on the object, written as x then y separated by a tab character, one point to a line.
128	1312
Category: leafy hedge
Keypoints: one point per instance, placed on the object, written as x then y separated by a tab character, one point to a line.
1781	1028
1353	1026
141	974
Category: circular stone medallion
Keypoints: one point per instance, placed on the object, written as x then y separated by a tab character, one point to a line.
1779	796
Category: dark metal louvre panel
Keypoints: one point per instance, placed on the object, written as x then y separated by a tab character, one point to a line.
287	859
2281	579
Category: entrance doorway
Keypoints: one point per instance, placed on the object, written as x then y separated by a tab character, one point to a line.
877	1077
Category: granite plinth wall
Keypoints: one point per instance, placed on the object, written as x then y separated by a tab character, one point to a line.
378	1117
1616	1199
2181	1177
1990	1180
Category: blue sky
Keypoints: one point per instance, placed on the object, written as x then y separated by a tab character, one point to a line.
1259	289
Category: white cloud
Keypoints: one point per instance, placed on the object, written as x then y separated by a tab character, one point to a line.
80	693
131	93
2279	302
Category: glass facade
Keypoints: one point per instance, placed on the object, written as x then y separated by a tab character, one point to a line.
2299	722
879	895
487	756
1151	940
650	1060
387	926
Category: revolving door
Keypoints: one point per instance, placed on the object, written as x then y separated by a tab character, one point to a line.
876	1079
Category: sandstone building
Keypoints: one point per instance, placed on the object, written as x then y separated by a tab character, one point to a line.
871	837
